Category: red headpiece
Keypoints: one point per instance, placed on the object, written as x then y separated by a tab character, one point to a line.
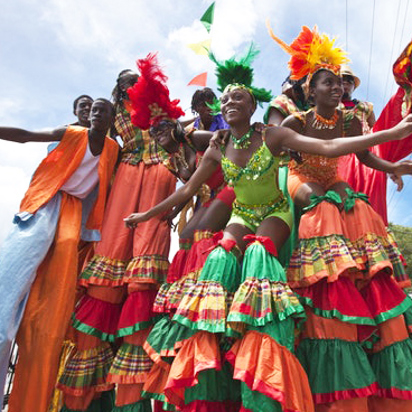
149	96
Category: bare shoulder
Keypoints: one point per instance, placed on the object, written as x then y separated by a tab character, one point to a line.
213	154
293	122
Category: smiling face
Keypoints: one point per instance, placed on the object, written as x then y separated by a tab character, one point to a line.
326	89
237	105
162	133
205	112
82	111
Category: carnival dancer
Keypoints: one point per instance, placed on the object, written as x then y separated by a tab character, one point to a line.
343	267
44	242
253	304
211	213
123	276
371	181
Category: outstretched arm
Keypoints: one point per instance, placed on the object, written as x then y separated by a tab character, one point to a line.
200	139
13	134
206	168
282	137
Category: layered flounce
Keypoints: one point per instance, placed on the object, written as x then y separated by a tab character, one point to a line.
367	232
87	369
207	303
147	269
137	313
166	338
273	378
170	295
131	365
103	271
391	360
323	250
263	296
97	317
335	362
198	373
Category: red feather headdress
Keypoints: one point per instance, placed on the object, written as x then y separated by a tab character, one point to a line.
149	96
310	52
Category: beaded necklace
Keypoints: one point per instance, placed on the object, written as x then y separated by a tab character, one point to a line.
321	123
244	141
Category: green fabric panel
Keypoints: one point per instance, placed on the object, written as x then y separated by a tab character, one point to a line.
222	267
282	332
334	365
166	333
287	249
214	386
141	406
258	263
393	365
257	402
103	404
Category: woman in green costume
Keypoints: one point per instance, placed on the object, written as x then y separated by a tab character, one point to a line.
242	292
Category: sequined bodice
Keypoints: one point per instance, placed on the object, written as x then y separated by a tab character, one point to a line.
256	183
314	166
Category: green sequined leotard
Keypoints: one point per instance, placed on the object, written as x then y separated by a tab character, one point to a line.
256	187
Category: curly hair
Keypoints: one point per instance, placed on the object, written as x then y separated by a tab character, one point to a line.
200	96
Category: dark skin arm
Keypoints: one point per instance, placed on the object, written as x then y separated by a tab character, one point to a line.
13	134
208	165
200	139
371	160
282	137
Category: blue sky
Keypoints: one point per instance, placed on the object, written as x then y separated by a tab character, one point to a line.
54	50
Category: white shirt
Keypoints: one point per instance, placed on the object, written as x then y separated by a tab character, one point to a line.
85	177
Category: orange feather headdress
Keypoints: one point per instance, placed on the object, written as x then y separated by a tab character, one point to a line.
149	96
310	52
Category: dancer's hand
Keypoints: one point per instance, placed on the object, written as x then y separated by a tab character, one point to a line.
403	128
400	169
398	181
219	138
132	220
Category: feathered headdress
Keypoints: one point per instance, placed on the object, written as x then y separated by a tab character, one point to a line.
402	70
149	96
310	52
234	73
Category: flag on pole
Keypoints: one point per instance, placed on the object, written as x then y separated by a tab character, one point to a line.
201	48
207	18
199	80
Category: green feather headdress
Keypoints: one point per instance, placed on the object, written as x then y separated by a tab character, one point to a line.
234	73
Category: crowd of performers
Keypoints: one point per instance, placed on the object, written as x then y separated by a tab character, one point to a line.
286	293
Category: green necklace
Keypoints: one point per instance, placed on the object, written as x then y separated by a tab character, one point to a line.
244	141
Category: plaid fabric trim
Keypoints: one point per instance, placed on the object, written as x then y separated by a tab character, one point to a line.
160	302
103	271
396	258
258	302
202	234
152	152
131	365
132	137
376	250
204	307
325	256
86	369
152	269
168	301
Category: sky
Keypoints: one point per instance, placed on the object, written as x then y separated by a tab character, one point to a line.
54	50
